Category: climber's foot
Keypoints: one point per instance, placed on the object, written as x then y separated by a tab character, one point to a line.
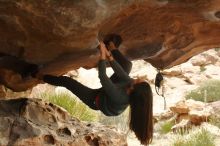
112	41
30	71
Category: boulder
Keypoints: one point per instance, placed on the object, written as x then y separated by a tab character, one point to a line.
212	72
60	36
194	111
205	58
216	106
34	122
175	71
180	108
197	117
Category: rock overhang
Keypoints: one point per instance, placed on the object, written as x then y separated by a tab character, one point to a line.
63	35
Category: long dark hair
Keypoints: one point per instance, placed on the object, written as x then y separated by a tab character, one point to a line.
141	112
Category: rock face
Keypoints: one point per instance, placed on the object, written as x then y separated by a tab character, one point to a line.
195	112
190	113
63	35
33	122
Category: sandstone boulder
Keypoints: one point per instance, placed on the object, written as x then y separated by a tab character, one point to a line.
180	108
194	111
212	72
208	57
34	122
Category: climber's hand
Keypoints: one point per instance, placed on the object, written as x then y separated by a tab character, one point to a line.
103	51
109	55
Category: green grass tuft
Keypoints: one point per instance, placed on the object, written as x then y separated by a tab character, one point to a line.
214	120
165	127
69	102
200	138
217	49
202	68
209	89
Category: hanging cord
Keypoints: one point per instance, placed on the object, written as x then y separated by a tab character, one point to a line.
159	83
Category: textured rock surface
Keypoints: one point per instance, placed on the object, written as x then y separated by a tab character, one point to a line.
195	111
192	113
62	35
33	122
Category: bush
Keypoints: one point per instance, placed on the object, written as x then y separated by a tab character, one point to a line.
214	120
209	89
217	49
199	138
75	107
165	127
202	68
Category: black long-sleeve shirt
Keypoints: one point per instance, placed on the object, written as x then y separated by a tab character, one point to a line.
113	97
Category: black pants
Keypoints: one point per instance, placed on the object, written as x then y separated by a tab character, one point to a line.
88	95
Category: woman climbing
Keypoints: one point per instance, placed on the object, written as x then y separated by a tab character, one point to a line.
117	92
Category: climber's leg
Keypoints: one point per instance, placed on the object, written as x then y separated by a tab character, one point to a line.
87	95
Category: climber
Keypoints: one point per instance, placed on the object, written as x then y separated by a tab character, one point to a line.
117	92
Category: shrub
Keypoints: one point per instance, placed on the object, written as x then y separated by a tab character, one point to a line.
165	127
202	68
200	138
209	89
217	49
75	107
214	120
